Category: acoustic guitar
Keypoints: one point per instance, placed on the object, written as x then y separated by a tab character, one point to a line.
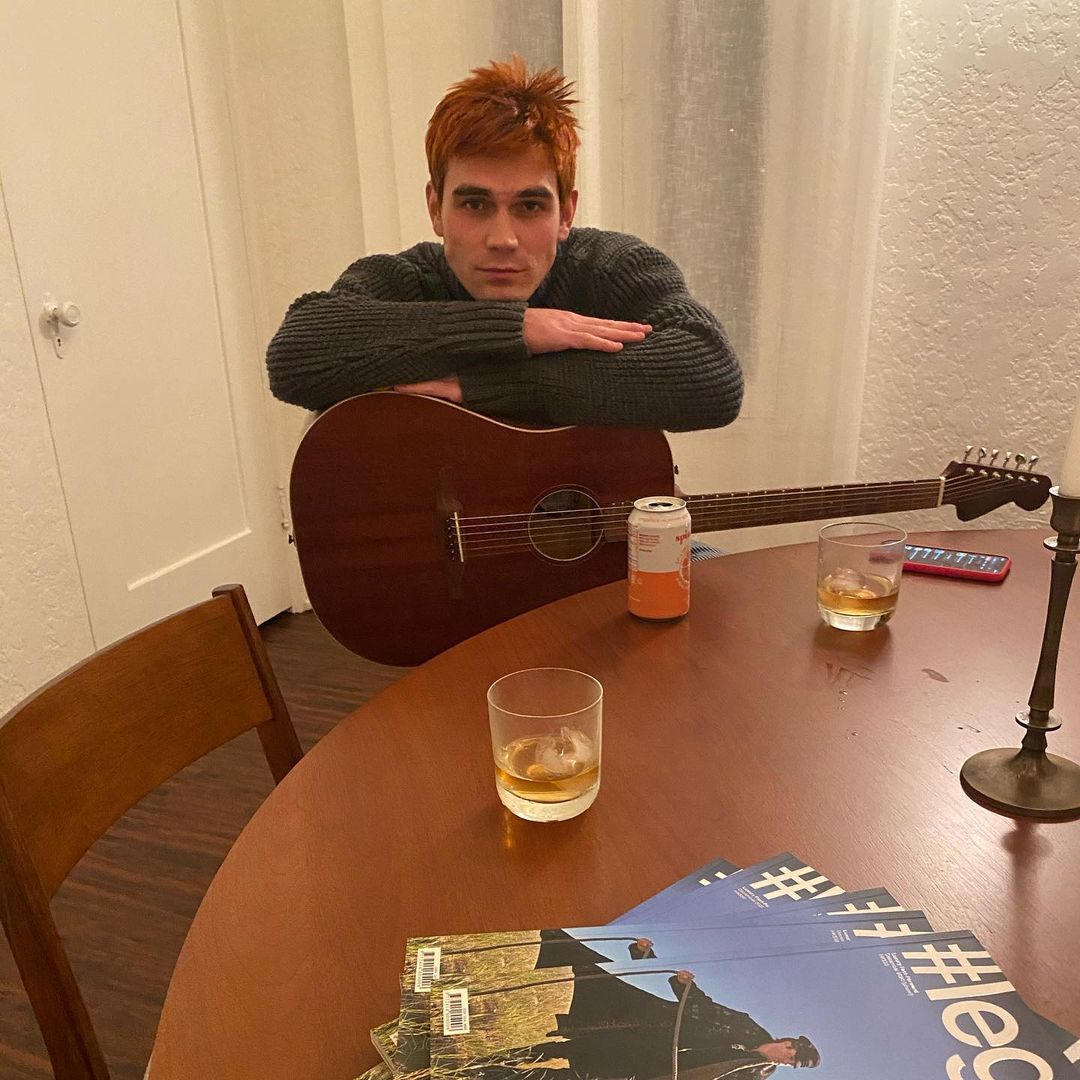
419	523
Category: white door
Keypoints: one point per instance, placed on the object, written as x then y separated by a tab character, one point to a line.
116	168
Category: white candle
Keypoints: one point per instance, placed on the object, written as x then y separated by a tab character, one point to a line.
1070	471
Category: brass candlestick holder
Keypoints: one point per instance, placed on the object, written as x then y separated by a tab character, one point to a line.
1029	782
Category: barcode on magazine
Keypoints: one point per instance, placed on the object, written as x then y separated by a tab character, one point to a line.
455	1011
428	961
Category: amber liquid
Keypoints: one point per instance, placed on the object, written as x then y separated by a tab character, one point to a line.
548	769
847	593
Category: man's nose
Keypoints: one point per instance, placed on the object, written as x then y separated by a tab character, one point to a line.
501	233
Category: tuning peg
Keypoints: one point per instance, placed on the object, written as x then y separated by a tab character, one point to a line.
982	454
1033	462
1020	459
994	455
967	452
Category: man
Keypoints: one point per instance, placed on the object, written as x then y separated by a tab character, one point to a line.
560	949
516	314
616	1030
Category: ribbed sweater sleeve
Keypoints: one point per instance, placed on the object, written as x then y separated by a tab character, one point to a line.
684	376
376	327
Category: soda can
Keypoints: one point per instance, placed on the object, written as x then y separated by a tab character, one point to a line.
658	534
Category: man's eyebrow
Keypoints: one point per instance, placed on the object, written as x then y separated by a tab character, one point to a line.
464	191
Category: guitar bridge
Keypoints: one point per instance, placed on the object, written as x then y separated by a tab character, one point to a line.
455	546
448	509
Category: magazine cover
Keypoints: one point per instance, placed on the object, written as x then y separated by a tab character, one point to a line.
783	878
864	901
713	870
377	1072
933	1006
489	956
384	1038
779	880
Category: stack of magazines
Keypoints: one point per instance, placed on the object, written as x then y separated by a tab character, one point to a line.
727	973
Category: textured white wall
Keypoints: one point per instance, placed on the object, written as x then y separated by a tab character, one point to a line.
44	625
975	334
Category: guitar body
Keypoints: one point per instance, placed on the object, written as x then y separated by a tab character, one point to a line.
419	523
375	485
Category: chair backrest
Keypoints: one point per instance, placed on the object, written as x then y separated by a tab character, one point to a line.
78	754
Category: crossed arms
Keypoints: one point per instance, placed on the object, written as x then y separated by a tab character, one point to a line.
639	351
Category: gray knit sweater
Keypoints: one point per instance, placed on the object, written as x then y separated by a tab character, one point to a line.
392	319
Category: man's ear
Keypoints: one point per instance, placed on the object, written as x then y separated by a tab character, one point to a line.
566	214
434	209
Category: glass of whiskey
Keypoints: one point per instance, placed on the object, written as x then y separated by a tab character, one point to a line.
858	575
545	736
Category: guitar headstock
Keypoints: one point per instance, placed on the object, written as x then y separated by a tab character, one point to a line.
977	486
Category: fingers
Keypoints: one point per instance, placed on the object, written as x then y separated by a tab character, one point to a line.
448	388
621	335
614	331
596	343
552	330
608	335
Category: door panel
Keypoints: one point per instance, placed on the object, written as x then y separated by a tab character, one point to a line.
156	407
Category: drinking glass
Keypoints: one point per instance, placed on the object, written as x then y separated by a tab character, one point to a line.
858	577
545	736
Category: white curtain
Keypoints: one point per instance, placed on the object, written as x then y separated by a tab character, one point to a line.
745	138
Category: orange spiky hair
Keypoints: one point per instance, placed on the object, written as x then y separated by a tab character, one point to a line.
502	109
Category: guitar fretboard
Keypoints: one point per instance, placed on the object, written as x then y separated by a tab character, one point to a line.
745	509
742	509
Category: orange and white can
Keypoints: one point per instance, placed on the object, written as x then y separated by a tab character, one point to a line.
658	534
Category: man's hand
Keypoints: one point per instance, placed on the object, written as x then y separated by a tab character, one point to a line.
684	976
448	388
551	330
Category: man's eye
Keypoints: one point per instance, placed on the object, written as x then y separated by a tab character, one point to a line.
476	205
531	207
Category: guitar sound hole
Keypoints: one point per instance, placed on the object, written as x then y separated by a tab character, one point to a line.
565	525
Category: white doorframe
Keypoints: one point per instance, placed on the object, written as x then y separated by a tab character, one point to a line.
240	279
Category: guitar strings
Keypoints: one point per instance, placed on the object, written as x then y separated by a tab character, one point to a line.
543	525
499	546
524	535
905	487
749	498
734	502
606	523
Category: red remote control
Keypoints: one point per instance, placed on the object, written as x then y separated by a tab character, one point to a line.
948	562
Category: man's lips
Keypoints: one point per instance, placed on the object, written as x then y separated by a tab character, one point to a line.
506	271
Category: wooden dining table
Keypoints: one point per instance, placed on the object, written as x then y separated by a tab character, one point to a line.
746	729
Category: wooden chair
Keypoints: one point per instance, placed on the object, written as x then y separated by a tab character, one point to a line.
75	756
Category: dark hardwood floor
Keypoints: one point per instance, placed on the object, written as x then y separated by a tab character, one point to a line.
124	911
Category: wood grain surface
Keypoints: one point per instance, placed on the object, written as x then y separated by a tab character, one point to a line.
746	729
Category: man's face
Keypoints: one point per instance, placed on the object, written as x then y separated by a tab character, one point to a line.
501	222
782	1052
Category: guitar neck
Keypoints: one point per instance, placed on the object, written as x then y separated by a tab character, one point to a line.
744	509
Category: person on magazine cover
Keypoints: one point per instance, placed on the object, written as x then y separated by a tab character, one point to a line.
560	949
615	1030
516	314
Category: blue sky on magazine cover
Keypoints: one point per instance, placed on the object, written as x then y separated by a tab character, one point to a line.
754	939
854	1007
